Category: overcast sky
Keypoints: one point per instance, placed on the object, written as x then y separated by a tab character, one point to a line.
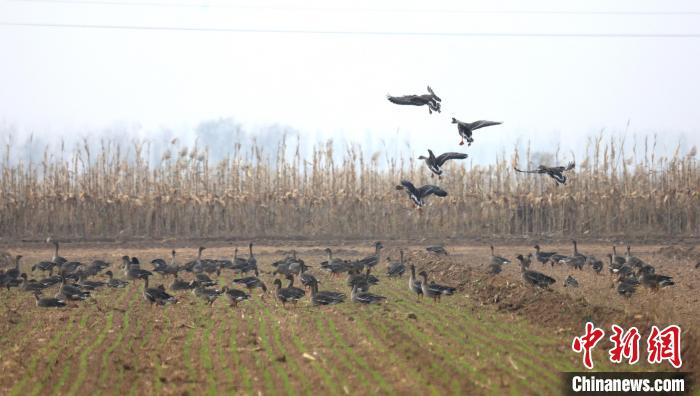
553	72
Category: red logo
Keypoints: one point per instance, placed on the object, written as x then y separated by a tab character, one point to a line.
587	342
625	345
665	345
661	345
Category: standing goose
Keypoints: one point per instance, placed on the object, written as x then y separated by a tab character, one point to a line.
178	284
576	260
56	258
498	260
414	285
294	290
617	259
466	129
418	195
325	297
157	295
208	295
653	281
633	261
11	277
596	264
132	269
44	266
534	278
307	279
333	265
372	260
431	100
543	257
555	172
365	297
30	286
86	284
252	282
71	292
434	290
48	302
163	268
252	263
397	269
435	163
115	283
235	296
284	294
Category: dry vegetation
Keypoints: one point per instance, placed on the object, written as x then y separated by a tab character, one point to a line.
117	193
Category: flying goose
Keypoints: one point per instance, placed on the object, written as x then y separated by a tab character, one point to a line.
555	172
466	129
435	163
431	100
418	195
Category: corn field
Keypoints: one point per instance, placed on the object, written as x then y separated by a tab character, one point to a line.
117	193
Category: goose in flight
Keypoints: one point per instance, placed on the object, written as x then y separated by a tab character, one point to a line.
555	172
435	163
418	195
431	100
466	129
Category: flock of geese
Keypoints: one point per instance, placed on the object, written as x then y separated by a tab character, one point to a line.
466	132
628	271
76	281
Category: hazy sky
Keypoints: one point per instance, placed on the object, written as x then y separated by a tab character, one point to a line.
551	71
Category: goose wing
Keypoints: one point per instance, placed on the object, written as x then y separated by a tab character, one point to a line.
442	158
482	124
431	189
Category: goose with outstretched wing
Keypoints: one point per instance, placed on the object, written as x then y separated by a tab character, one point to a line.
431	100
418	195
555	172
466	129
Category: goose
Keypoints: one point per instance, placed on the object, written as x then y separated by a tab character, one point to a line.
494	269
208	295
435	163
157	295
290	265
115	283
68	291
364	297
596	264
534	278
307	279
95	267
498	259
437	249
570	282
418	195
237	262
86	284
56	258
397	268
615	265
543	257
577	260
235	296
178	284
334	266
10	278
325	297
48	302
205	280
30	286
251	282
44	266
632	260
653	281
617	259
466	129
555	172
414	285
69	267
433	289
196	264
285	295
244	266
431	100
627	287
295	290
163	268
372	260
526	260
51	280
132	269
